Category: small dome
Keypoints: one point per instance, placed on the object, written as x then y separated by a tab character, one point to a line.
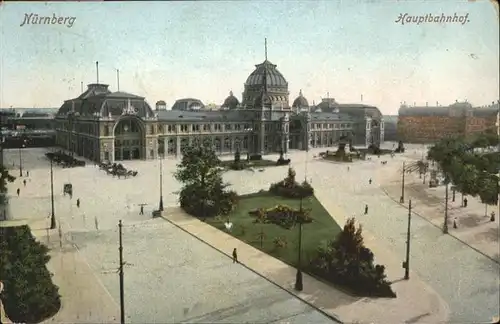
231	102
300	102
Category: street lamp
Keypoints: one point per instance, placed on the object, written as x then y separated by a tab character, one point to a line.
52	214
298	276
21	158
445	225
402	198
161	184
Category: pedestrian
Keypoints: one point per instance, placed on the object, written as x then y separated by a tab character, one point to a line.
366	209
78	203
18	191
370	181
455	223
465	202
24	182
27	173
235	256
142	210
492	218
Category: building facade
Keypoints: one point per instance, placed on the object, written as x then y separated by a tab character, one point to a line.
101	125
426	124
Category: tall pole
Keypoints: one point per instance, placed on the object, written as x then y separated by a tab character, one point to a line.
81	86
97	70
118	79
408	240
20	162
445	225
298	278
52	213
402	198
120	273
161	185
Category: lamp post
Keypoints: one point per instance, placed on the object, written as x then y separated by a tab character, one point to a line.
21	158
161	185
445	225
121	275
406	264
298	278
52	214
402	198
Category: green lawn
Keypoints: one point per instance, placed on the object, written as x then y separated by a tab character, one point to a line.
322	229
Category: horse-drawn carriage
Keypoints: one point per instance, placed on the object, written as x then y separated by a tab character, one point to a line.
117	169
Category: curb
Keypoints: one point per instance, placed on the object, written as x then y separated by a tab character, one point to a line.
332	317
437	226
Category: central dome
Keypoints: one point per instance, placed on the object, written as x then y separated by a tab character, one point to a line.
274	77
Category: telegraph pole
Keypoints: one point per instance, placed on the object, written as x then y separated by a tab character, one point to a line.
120	273
445	225
52	214
161	185
402	198
406	264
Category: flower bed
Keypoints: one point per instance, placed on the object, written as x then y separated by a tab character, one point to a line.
281	215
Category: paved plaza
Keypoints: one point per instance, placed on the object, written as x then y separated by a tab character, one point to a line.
169	275
172	275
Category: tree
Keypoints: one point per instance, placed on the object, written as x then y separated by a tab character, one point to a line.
4	178
29	295
346	261
203	193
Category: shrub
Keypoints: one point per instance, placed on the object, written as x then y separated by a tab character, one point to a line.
255	157
289	188
281	215
346	261
29	296
280	242
240	165
282	160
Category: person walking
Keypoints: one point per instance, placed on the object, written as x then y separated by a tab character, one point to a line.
235	256
18	191
366	209
465	202
370	181
142	210
24	182
78	203
27	173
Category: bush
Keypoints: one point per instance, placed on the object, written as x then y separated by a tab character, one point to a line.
217	202
282	215
347	262
289	188
240	165
283	162
29	296
255	157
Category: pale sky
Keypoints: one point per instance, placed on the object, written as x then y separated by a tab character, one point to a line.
171	50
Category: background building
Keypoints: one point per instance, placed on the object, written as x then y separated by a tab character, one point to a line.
424	124
30	127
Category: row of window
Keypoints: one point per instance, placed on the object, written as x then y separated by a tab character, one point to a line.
330	126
